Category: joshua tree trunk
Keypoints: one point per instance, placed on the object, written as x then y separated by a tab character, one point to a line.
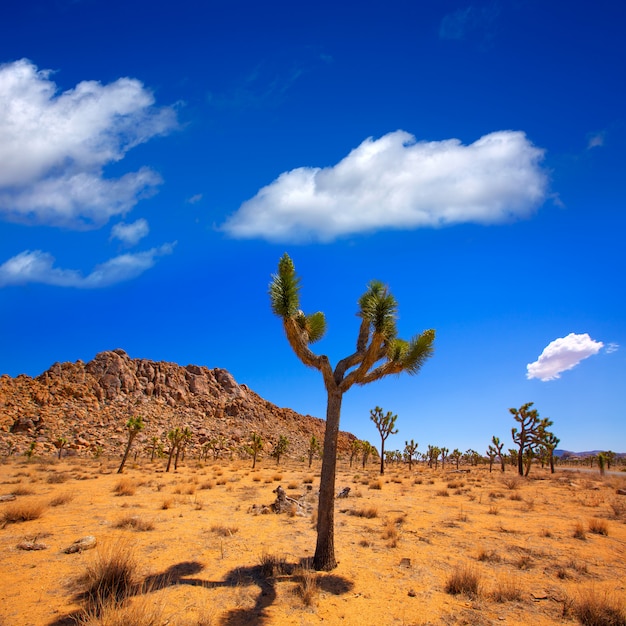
324	558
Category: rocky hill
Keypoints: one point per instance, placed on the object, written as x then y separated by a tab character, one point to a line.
89	404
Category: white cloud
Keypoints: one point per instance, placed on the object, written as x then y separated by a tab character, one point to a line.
38	267
612	347
130	233
561	355
195	198
396	182
53	146
596	140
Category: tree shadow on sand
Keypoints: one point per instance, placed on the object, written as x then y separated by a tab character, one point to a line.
264	577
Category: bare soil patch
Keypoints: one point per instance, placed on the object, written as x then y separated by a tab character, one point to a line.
205	551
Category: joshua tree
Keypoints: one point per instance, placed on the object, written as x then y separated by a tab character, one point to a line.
185	438
154	446
280	447
134	426
531	433
367	449
385	426
379	352
355	449
456	455
59	444
444	456
432	453
410	449
491	454
174	436
254	447
609	456
314	448
497	445
550	442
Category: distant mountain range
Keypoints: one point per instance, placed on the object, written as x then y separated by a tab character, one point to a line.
561	453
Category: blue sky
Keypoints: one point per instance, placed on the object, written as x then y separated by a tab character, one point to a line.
157	159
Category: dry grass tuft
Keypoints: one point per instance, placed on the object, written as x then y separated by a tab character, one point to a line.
511	482
488	556
21	512
368	512
61	499
224	531
375	484
125	487
135	523
592	608
272	565
579	531
110	579
464	580
308	587
598	526
22	491
507	589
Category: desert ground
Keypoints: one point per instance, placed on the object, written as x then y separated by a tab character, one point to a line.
414	547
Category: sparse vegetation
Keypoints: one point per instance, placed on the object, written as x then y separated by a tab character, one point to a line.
465	579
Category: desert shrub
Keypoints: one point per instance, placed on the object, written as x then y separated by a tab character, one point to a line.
598	526
62	499
368	512
292	485
464	580
308	586
21	512
110	579
524	561
272	565
22	491
618	509
579	531
375	484
135	523
593	608
207	484
57	477
444	493
516	497
489	556
125	487
493	510
507	589
224	531
167	504
511	482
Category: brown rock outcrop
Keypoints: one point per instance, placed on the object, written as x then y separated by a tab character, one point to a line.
89	403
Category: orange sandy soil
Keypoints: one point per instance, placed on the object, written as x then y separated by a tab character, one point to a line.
201	560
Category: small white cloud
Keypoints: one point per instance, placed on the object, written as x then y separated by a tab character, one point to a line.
132	233
612	347
54	146
561	355
38	267
397	182
596	140
460	23
195	198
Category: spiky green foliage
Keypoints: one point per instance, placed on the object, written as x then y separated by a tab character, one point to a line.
285	289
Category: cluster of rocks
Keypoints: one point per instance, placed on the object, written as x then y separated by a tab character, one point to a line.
88	405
